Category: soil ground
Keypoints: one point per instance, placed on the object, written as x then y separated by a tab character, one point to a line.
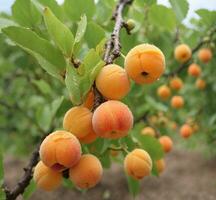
188	176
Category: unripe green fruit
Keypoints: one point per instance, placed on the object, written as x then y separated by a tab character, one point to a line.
130	24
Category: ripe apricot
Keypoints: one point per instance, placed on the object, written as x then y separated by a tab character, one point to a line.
176	83
148	131
91	137
87	172
112	119
186	131
182	53
166	143
60	150
160	165
113	82
78	121
46	178
205	55
138	164
163	92
194	70
177	102
200	84
89	101
145	63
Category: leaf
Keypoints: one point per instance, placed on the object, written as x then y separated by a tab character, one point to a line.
60	33
43	86
75	9
154	104
81	29
105	159
207	17
25	13
1	166
133	186
163	17
151	145
50	58
180	8
55	105
29	190
94	34
5	23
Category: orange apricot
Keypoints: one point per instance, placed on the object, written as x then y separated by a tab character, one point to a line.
89	101
87	172
182	53
200	84
166	143
91	137
148	131
112	119
138	164
194	70
177	102
46	178
176	83
186	131
145	63
78	121
60	150
163	92
113	82
160	165
205	55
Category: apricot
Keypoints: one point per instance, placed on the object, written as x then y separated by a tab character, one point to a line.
112	119
194	70
78	121
91	137
166	143
160	165
113	82
186	131
89	101
200	84
163	92
87	172
46	178
145	63
205	55
138	164
182	53
60	150
177	102
176	83
148	131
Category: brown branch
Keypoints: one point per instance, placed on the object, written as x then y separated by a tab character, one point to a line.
113	46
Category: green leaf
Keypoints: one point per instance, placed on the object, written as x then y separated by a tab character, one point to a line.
29	190
5	23
68	183
94	34
55	106
81	29
75	9
151	145
105	159
1	166
155	104
163	17
60	33
180	8
25	13
43	86
50	58
207	17
133	186
142	2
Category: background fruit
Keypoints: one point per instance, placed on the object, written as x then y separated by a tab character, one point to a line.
177	102
182	53
205	55
176	83
166	143
148	131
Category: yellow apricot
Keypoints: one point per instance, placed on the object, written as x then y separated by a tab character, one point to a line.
78	121
182	53
186	131
166	143
205	55
112	119
176	83
194	70
145	63
91	137
177	102
89	101
138	164
112	82
60	150
163	92
46	178
87	172
148	131
160	165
